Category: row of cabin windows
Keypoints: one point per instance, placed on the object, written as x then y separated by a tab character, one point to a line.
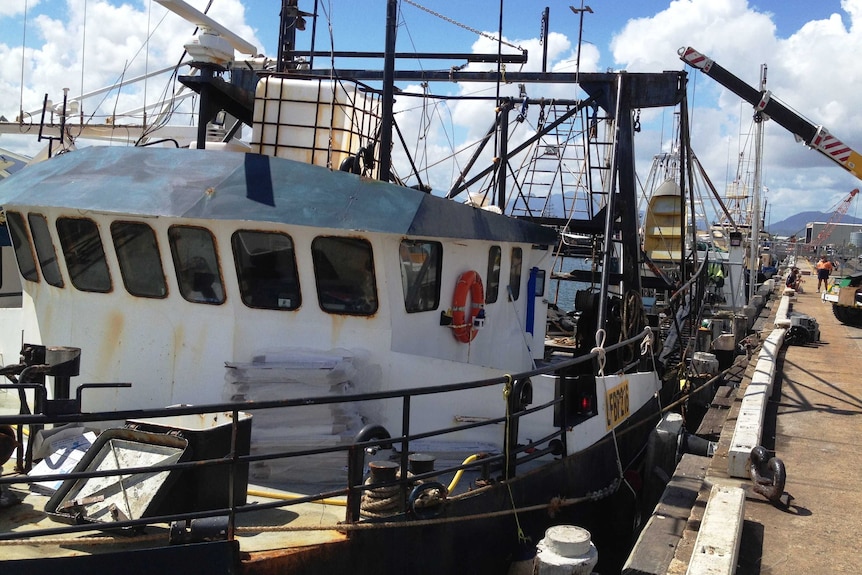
265	263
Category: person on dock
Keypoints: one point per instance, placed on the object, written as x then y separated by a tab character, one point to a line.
824	268
793	280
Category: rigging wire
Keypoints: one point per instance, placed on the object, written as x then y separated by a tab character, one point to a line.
83	53
169	108
23	53
146	60
497	144
122	74
465	27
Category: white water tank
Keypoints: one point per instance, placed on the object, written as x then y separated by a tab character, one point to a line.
314	121
856	239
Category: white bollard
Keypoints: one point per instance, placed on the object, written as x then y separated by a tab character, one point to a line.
566	550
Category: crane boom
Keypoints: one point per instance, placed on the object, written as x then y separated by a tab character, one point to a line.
814	136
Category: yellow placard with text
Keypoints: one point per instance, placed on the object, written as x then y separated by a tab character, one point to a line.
617	404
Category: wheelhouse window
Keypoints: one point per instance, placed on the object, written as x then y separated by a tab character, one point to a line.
196	264
84	254
21	242
266	269
139	259
45	251
492	290
344	274
421	264
515	273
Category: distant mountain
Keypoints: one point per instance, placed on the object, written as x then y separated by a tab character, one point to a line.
796	224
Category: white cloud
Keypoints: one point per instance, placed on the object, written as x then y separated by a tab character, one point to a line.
76	49
810	71
16	7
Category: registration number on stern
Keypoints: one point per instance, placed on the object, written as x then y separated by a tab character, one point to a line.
617	404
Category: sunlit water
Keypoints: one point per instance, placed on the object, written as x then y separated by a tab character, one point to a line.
562	292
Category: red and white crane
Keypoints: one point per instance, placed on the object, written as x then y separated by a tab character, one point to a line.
814	136
834	219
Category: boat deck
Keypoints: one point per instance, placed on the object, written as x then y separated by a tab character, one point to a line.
269	521
260	530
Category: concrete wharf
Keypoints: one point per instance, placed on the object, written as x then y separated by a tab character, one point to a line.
813	423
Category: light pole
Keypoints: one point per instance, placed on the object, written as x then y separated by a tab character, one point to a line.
580	12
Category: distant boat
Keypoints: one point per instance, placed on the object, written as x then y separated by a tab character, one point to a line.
663	224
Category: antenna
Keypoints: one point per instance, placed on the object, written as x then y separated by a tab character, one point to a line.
211	28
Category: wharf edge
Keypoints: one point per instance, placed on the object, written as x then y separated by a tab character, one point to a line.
809	424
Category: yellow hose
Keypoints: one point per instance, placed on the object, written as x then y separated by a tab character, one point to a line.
291	496
343	503
460	472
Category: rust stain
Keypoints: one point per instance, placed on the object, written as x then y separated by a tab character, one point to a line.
337	327
331	557
179	336
115	325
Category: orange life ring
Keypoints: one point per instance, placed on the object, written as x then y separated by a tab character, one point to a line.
468	282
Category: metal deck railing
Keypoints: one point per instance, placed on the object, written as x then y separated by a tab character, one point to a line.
372	437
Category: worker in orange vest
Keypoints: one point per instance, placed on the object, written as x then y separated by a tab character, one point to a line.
824	268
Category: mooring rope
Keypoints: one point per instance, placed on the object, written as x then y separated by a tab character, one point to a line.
599	350
553	506
507	392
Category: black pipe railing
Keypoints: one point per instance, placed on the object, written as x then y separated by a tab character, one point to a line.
512	455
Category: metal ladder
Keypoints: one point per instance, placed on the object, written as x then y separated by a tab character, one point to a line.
566	169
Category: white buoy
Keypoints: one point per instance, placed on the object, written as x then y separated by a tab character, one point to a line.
566	550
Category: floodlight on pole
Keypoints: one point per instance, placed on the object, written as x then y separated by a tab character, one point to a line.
580	12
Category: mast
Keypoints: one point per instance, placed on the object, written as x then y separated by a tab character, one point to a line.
388	91
287	36
754	257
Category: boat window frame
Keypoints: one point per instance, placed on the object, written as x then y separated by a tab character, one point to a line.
22	245
87	273
131	273
516	264
416	299
286	297
49	263
492	285
347	284
202	267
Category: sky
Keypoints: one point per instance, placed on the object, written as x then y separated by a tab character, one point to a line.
809	47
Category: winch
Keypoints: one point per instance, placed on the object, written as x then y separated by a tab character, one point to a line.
803	329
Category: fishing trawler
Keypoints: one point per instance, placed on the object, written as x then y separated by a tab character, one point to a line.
290	362
679	244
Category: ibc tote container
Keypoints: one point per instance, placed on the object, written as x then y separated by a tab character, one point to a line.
296	118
